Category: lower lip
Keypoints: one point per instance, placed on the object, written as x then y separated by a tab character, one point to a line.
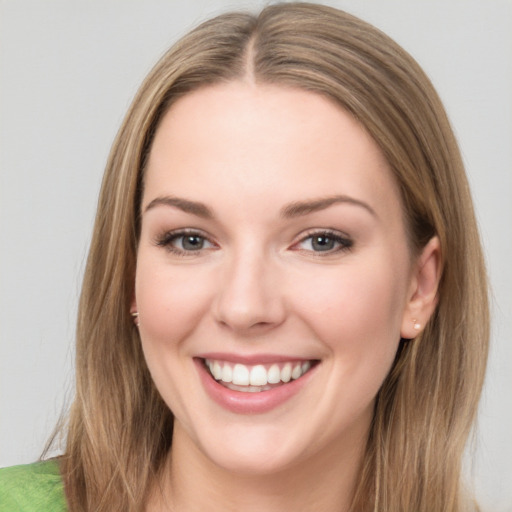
241	402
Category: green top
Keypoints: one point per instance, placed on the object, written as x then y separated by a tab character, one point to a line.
32	488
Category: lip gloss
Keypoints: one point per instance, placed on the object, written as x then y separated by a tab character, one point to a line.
242	402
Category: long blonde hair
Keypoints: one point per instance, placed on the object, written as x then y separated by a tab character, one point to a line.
120	431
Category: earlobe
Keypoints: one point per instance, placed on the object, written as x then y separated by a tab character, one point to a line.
134	312
422	299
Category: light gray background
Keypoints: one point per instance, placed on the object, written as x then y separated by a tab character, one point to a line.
68	70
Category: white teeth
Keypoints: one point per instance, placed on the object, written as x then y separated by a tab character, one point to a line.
274	374
258	376
286	372
255	378
240	375
297	371
248	389
227	373
217	370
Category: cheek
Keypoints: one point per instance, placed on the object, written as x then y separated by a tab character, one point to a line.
356	315
354	307
170	302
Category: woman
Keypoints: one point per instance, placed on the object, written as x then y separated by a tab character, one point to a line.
285	300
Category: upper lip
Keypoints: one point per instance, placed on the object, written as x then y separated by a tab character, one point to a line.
253	359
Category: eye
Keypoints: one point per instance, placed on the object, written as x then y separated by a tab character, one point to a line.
184	242
325	242
189	242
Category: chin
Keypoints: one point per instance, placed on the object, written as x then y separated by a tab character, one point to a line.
252	451
253	462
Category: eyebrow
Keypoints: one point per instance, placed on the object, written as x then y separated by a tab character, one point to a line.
292	210
193	207
299	208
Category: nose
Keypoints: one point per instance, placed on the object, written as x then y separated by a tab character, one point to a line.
250	299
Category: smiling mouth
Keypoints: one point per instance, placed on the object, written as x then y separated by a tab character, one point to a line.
259	377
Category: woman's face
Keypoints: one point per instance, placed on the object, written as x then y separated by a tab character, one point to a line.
273	251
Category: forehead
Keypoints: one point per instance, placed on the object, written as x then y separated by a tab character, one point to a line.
264	141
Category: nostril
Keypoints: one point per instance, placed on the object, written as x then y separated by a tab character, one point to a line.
247	327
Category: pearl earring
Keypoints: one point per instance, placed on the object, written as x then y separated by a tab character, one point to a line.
135	316
417	326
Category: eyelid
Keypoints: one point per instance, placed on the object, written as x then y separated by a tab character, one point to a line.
166	238
345	241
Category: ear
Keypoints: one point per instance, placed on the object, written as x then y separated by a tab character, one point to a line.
134	311
422	298
133	305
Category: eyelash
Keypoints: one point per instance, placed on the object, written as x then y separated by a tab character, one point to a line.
166	241
345	243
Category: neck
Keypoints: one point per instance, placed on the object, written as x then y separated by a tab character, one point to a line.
192	482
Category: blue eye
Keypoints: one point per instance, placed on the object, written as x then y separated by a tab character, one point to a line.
189	242
327	242
184	242
322	243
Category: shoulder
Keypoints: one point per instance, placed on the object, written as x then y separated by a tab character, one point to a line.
32	488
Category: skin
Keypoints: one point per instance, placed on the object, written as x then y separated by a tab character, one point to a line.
260	286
